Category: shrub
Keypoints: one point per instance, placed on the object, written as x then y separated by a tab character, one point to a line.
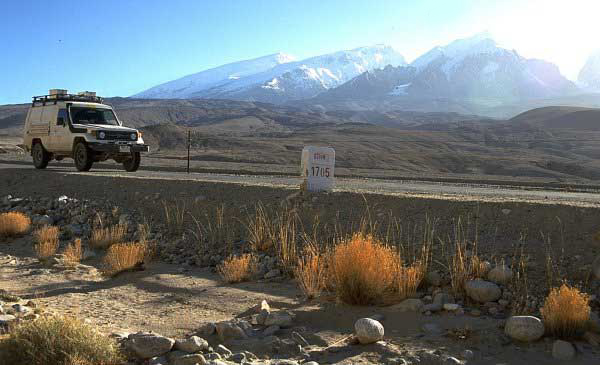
105	237
73	253
123	257
47	242
311	273
57	340
13	224
363	270
565	311
238	269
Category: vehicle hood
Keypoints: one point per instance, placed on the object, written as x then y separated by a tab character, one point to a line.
95	127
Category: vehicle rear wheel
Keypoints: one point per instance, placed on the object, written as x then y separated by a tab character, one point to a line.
133	163
82	157
41	157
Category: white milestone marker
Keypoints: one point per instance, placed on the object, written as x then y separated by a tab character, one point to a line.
317	167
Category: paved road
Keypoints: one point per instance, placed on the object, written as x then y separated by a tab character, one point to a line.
445	190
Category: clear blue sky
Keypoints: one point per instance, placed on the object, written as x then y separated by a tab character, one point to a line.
118	48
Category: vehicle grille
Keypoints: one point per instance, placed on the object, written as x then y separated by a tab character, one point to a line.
118	135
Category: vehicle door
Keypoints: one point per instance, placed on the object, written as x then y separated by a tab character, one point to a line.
49	115
59	131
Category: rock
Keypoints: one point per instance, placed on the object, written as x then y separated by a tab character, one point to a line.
186	359
452	361
263	305
261	317
563	350
282	319
229	331
149	345
192	344
6	319
272	274
467	354
161	360
207	329
223	351
524	328
501	274
482	291
438	302
433	278
212	356
368	330
408	305
238	358
451	307
19	308
42	220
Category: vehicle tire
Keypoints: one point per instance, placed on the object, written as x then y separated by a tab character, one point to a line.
41	157
82	157
133	163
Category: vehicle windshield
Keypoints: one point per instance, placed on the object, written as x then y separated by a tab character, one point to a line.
87	115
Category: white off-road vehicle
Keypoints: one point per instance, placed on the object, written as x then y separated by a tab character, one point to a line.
81	127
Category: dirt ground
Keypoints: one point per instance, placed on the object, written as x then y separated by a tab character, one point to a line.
173	300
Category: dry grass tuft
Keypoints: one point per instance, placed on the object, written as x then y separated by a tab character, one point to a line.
105	237
58	340
73	253
46	239
311	273
123	257
261	230
362	269
175	213
408	279
14	224
566	311
464	265
238	269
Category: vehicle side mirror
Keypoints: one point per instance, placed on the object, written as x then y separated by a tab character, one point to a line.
60	121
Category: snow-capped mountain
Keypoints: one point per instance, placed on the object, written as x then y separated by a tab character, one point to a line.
474	69
589	76
477	68
188	85
283	80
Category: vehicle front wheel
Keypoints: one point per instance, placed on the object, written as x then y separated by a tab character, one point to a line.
133	163
41	157
82	157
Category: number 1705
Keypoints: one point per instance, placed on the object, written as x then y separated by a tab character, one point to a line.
320	171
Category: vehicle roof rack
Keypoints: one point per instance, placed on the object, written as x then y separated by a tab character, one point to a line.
52	99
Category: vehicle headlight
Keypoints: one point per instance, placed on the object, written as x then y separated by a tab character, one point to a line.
101	135
133	136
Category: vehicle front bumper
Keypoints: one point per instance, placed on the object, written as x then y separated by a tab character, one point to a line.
116	148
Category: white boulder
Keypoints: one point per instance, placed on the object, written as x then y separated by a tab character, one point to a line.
482	291
524	328
368	330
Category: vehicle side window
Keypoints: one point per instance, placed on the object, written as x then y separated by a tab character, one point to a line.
61	117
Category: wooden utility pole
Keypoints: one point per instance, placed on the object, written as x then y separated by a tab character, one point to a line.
188	146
